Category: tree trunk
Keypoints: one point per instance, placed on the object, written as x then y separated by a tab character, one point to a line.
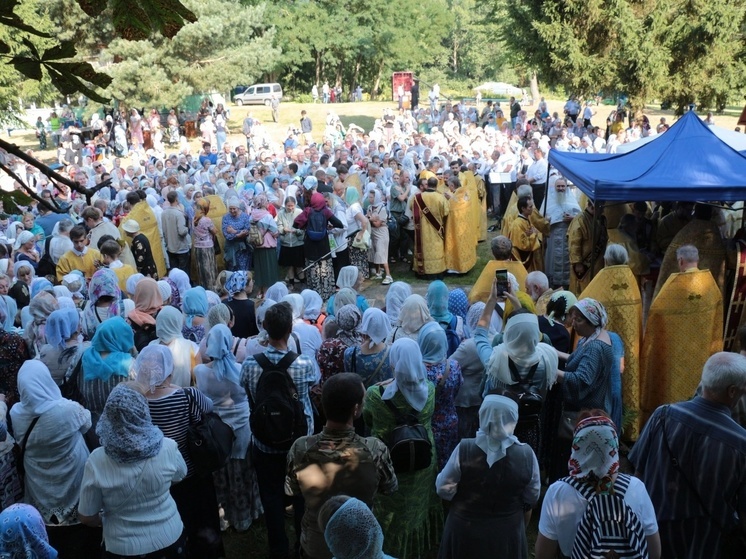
318	67
534	84
355	74
454	56
377	83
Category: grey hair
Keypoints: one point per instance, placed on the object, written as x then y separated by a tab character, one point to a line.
616	255
688	253
65	225
524	190
722	370
501	247
539	279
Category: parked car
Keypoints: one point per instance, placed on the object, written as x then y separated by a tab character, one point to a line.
258	94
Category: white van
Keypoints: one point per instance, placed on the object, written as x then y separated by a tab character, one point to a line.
258	94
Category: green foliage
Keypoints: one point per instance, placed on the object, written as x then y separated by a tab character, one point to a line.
29	40
679	50
228	45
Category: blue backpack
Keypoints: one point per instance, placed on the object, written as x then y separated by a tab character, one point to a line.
316	226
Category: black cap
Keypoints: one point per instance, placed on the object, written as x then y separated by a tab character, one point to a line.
324	188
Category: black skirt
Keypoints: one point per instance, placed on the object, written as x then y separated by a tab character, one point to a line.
292	256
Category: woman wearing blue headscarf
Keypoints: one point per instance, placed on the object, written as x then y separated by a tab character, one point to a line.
411	518
64	346
235	484
437	303
445	374
195	307
106	363
23	534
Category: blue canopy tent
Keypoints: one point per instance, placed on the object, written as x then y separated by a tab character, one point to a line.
688	162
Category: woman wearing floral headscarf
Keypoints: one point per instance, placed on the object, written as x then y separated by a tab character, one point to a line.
445	374
330	356
173	409
244	318
105	301
127	481
490	480
594	469
41	306
205	237
23	534
411	518
235	484
265	256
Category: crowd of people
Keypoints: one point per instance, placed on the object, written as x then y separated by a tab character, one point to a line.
430	423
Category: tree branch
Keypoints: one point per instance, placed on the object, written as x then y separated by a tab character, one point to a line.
13	149
53	207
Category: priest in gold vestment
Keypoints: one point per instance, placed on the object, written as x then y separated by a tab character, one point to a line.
502	251
586	247
143	215
616	288
429	211
684	328
460	234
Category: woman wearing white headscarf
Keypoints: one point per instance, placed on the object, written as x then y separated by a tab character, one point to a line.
235	484
395	297
168	327
173	409
490	480
349	277
520	358
413	315
55	457
413	516
312	313
369	358
378	253
309	336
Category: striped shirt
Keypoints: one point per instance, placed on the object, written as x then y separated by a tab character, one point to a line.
711	451
302	371
174	413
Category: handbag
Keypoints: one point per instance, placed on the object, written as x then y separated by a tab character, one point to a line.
364	242
393	226
402	219
566	427
210	443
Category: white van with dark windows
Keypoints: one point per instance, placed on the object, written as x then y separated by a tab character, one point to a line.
258	94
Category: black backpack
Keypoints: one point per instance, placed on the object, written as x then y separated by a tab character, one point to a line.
316	226
277	416
527	396
409	445
46	266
